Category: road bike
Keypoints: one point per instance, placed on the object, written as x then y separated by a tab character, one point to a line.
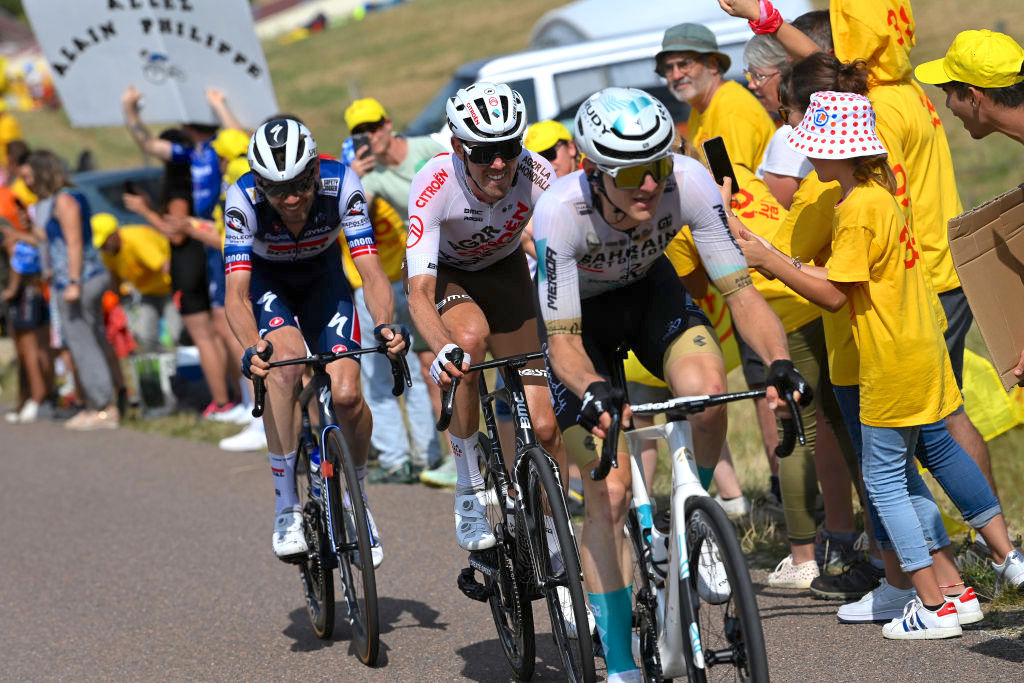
334	515
688	623
526	510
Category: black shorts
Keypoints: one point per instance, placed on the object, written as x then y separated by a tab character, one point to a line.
754	371
188	277
503	291
29	309
646	316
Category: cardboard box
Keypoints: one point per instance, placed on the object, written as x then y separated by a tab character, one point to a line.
987	245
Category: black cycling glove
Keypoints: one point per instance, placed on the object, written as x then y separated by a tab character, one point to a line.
600	397
249	353
787	379
397	329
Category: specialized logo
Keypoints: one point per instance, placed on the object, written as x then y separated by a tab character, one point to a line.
276	132
234	219
432	188
276	322
356	204
415	231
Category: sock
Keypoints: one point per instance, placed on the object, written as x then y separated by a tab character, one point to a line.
613	614
554	552
706	475
934	608
467	467
776	487
283	469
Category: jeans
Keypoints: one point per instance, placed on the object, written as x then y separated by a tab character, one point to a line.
85	335
392	439
907	510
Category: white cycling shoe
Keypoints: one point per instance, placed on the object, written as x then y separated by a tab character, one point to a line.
712	582
565	600
289	538
376	549
471	526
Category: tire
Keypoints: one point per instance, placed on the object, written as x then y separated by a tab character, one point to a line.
730	633
510	607
645	605
544	495
355	562
317	577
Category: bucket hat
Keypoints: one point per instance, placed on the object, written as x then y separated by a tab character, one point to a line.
837	125
691	38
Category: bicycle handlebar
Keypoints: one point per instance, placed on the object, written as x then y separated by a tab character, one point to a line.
456	357
399	370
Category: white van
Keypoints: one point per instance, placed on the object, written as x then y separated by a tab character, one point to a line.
554	81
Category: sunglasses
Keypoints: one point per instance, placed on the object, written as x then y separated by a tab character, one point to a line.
484	155
632	177
367	128
304	183
551	152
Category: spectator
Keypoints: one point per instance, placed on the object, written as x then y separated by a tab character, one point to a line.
79	282
554	142
139	256
10	130
386	170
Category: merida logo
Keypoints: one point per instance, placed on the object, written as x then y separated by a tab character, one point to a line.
430	190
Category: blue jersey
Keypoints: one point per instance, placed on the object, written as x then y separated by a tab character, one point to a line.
205	167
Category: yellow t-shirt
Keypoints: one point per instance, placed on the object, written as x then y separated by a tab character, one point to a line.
881	32
389	232
10	130
144	254
736	115
905	375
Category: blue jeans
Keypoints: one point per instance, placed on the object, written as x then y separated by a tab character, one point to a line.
391	438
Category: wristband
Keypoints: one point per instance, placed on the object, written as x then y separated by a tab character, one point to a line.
769	21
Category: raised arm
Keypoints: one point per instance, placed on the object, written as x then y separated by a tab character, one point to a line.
220	107
156	147
795	41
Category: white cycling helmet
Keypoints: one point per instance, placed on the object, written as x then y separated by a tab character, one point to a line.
486	112
281	149
618	127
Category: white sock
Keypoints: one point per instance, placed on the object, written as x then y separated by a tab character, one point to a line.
467	467
244	391
554	552
283	469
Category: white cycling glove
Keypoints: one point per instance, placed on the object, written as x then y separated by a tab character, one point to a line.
442	359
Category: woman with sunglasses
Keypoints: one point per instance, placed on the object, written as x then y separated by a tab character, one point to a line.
604	280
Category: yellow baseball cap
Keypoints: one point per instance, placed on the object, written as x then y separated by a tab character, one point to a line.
366	110
230	143
545	135
236	169
984	59
103	226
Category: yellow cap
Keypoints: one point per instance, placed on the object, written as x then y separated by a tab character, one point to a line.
230	143
544	135
984	59
366	110
103	226
236	169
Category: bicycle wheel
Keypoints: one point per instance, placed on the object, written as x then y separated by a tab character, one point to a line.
355	561
510	606
729	625
645	605
544	496
317	579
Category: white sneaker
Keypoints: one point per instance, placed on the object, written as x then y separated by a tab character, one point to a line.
565	600
252	438
239	414
968	609
734	507
712	582
790	575
918	623
289	539
471	526
376	549
29	412
882	604
1011	570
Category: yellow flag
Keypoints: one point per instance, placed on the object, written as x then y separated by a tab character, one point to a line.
990	408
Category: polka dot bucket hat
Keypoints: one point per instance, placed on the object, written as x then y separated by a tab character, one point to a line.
837	125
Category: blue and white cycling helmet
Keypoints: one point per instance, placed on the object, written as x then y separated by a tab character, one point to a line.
486	112
281	149
618	127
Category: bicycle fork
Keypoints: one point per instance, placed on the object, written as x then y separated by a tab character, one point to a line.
670	615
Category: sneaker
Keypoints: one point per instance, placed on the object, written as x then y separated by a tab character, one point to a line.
89	420
397	475
789	575
252	438
471	526
29	412
289	538
882	604
1010	571
833	556
444	475
860	578
238	414
734	507
712	582
11	416
215	412
376	549
968	608
919	623
565	600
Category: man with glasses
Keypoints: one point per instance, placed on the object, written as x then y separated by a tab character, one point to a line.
552	140
695	70
603	280
285	287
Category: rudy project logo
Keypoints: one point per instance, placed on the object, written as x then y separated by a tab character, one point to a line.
234	219
415	231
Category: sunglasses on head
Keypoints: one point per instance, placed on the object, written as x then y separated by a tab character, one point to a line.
485	154
551	152
367	128
632	177
304	183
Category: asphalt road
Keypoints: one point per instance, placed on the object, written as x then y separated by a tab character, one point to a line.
129	556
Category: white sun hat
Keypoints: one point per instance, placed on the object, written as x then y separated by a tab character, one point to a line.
837	125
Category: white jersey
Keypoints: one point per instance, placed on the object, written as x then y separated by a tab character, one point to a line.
580	255
449	225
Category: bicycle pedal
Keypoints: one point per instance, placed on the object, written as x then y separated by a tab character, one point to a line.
472	588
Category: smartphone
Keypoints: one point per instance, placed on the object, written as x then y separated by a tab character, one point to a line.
129	187
359	141
718	162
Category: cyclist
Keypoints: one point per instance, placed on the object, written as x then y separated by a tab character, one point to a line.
285	286
603	280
